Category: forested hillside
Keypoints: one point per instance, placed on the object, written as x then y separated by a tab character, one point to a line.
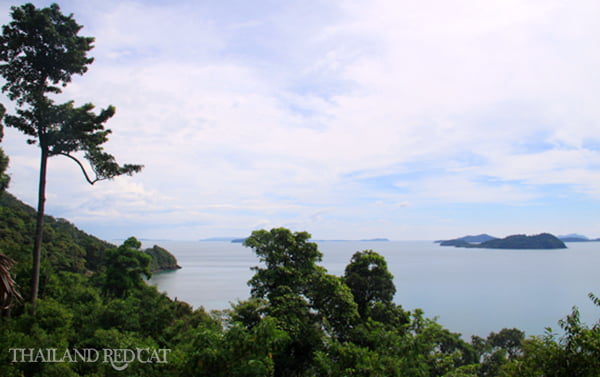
92	296
66	247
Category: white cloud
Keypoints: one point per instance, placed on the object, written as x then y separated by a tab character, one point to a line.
259	116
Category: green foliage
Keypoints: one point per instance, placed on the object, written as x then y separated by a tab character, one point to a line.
124	267
307	323
334	303
237	352
250	312
498	350
299	320
67	247
295	318
422	348
294	284
574	354
349	360
40	51
306	301
289	258
389	314
509	340
369	280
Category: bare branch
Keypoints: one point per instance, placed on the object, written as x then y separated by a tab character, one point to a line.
87	177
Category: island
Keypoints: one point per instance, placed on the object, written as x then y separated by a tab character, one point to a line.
162	259
574	237
518	241
241	240
466	240
218	239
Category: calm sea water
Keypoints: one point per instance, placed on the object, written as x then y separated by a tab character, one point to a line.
471	291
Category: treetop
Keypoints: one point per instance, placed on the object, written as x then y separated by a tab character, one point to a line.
41	48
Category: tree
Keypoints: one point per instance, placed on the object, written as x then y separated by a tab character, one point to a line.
307	302
289	258
333	301
290	268
575	353
369	280
41	50
507	339
125	266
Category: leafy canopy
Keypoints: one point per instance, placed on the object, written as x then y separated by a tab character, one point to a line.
369	280
125	266
290	261
40	51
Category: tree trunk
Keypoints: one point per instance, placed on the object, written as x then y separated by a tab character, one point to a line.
39	230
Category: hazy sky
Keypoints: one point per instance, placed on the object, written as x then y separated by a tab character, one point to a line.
348	119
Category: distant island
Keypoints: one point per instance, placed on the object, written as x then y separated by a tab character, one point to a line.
518	241
219	239
241	240
573	237
467	240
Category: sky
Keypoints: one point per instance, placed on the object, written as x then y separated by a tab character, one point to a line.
348	119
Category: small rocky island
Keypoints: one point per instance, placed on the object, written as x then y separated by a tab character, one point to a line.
518	241
162	259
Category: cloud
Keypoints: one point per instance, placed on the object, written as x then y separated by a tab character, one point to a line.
308	113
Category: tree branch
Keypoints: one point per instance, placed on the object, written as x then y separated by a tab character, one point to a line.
87	177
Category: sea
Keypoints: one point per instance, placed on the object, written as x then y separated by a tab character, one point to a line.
468	291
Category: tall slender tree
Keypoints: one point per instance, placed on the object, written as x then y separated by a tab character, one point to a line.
40	51
4	178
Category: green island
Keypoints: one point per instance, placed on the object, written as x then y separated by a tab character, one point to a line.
161	259
518	241
74	305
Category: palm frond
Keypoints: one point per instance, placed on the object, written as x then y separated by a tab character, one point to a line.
8	287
